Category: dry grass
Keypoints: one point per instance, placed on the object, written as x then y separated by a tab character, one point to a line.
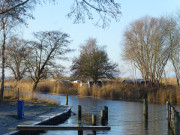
114	90
170	81
63	88
25	90
134	92
26	93
163	94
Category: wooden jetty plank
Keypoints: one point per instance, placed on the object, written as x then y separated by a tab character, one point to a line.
52	117
50	127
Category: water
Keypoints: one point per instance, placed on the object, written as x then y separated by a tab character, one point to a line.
125	118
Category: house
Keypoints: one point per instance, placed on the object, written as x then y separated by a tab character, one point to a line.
91	83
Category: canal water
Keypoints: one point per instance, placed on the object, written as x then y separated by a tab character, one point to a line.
125	117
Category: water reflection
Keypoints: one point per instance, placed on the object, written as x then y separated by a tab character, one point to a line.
125	118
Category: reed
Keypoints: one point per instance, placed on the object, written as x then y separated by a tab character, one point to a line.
25	92
64	88
134	92
114	90
46	85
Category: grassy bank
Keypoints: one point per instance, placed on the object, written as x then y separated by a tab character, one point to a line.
24	88
116	90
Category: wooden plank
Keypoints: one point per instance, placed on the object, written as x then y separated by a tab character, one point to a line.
50	127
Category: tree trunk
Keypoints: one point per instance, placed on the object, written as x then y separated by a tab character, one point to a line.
165	81
35	85
3	63
177	79
176	71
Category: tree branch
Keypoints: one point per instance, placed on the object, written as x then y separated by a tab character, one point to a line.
12	8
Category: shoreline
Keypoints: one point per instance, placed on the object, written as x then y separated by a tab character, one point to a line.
34	113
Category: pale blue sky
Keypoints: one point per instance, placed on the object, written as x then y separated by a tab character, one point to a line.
52	17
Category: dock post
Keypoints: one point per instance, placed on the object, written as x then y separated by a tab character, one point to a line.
173	122
106	113
80	132
18	94
177	123
145	108
79	120
172	114
66	99
102	117
169	113
94	123
167	110
79	112
94	120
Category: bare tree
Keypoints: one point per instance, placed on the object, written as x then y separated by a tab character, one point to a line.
9	19
105	9
16	52
93	63
174	40
147	45
80	9
11	5
49	47
175	58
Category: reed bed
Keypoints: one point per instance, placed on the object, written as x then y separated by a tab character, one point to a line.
26	93
124	91
115	90
24	88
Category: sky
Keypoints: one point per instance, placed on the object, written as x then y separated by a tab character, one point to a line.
53	17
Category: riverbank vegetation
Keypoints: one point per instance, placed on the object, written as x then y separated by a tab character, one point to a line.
23	89
134	92
115	90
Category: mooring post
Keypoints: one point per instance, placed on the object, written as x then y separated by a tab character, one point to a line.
93	120
172	114
106	113
79	112
145	108
80	132
172	122
177	123
102	117
18	94
169	113
66	99
94	123
173	119
167	110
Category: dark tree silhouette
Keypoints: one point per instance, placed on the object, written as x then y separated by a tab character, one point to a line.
93	63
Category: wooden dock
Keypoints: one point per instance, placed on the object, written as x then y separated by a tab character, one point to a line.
47	125
52	118
50	127
49	121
